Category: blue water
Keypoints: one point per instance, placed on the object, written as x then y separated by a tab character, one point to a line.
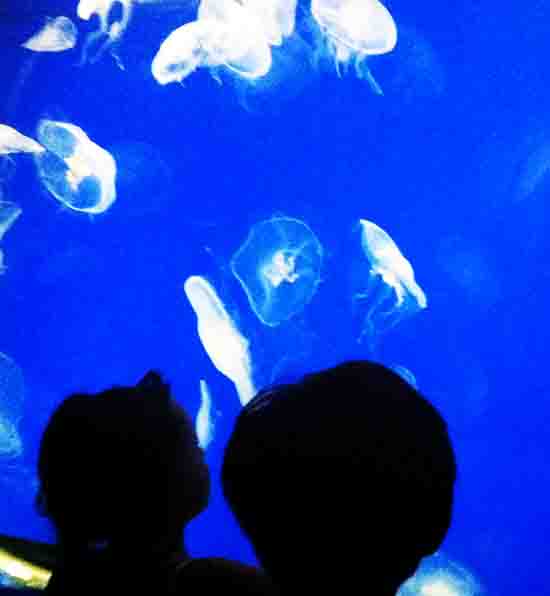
451	161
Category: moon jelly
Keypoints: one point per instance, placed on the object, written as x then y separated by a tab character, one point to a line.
12	141
57	35
355	29
12	394
389	290
9	212
223	342
279	268
76	171
205	425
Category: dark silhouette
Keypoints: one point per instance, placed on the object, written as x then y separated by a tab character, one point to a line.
121	475
343	480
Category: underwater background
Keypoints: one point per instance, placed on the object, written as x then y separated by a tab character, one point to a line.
452	161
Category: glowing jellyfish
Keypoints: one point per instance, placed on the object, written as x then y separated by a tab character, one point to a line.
223	342
235	42
405	374
12	141
355	29
74	169
57	35
391	292
110	32
12	394
439	576
205	422
279	268
9	212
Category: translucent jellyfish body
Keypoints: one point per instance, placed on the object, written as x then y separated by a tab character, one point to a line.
390	291
440	576
232	40
76	171
279	268
12	395
222	341
355	29
57	35
9	212
12	141
109	32
205	422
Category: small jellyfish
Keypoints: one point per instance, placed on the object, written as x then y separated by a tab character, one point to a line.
205	422
12	141
12	395
279	268
405	374
222	341
9	212
391	292
76	171
111	31
440	576
57	35
354	30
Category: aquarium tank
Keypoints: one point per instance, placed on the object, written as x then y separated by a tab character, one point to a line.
236	193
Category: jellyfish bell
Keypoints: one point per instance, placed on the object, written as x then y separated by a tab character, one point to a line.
75	170
57	35
385	290
279	268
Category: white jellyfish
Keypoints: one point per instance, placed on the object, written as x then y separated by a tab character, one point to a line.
223	342
74	169
391	293
279	268
111	32
354	30
9	212
440	576
57	35
226	35
205	422
405	374
12	395
12	141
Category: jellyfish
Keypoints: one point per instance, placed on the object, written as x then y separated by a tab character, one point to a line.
76	171
405	374
112	31
9	212
440	576
354	30
279	268
12	141
391	292
220	38
222	341
12	394
57	35
205	423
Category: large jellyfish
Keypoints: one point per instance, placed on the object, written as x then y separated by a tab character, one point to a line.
225	35
74	169
57	35
12	141
12	394
223	342
440	576
389	291
9	212
205	422
279	268
354	30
